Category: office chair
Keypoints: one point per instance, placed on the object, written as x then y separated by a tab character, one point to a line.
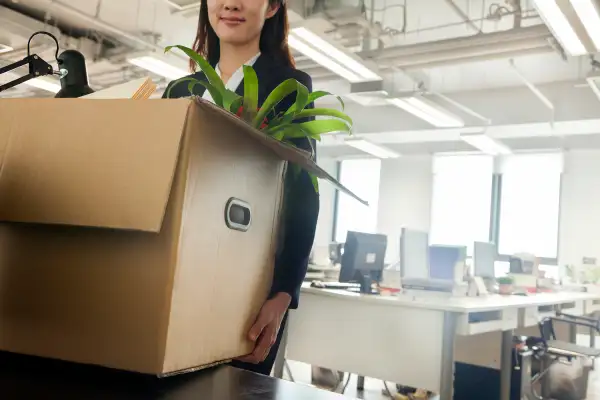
547	350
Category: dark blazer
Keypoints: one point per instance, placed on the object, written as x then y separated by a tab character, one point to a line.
301	202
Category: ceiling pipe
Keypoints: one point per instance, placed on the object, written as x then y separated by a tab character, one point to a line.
104	26
463	15
537	92
537	32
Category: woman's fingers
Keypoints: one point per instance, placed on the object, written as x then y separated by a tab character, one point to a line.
259	325
266	341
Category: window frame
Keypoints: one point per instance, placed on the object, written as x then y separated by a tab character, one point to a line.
336	198
496	217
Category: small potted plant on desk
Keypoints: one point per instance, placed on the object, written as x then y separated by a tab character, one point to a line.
505	284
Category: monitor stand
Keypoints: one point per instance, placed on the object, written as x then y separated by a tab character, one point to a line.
366	282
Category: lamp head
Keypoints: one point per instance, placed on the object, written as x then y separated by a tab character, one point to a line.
75	82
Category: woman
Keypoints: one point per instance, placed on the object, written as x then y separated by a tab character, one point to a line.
233	33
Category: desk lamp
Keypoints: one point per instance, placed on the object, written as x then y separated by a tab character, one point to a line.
72	71
75	82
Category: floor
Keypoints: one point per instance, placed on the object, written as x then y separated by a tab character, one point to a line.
374	389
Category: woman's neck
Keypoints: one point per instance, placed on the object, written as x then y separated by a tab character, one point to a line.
233	57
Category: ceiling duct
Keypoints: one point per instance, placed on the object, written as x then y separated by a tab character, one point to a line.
20	25
477	47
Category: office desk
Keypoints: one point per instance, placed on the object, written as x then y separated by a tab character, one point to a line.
409	340
23	377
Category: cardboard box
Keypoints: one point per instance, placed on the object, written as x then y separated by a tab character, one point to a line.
116	248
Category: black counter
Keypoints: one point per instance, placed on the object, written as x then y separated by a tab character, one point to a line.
23	377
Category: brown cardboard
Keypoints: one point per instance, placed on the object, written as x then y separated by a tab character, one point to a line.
115	249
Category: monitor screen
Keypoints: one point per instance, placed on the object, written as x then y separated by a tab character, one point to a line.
414	254
443	260
363	252
484	259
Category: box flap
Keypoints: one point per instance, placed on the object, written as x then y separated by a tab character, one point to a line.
283	150
103	163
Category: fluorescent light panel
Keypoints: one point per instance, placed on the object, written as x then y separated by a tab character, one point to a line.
159	67
329	56
428	111
590	18
560	26
42	83
486	144
372	148
4	48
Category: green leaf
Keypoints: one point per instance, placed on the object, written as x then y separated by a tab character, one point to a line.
301	99
278	135
315	182
293	131
315	129
324	112
314	96
207	69
216	95
284	89
229	98
250	95
235	105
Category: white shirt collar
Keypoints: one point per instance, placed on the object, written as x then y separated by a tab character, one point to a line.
235	80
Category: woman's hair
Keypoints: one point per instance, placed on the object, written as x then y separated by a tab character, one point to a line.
273	38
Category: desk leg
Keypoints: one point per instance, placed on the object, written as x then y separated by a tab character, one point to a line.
447	372
593	339
280	358
506	364
360	383
573	333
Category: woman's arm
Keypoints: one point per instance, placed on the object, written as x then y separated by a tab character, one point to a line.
300	213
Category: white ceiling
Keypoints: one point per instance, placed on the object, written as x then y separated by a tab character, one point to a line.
490	87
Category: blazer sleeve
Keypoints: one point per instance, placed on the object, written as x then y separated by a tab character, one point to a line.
300	213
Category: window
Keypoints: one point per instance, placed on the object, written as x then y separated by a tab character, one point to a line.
362	178
529	205
462	200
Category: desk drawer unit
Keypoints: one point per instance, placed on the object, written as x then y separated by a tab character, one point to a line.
591	306
576	307
487	321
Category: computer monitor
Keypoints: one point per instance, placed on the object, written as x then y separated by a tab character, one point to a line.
363	259
335	253
443	260
484	259
414	254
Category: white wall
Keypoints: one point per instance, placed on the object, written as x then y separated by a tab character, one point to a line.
580	207
405	201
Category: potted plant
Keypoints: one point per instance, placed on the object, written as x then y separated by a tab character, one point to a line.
505	285
282	126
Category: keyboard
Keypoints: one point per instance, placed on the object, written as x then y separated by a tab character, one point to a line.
334	285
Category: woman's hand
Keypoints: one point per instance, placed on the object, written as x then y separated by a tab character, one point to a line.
264	331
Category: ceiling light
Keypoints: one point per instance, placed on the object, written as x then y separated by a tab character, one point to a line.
49	85
320	58
560	26
590	18
4	48
159	67
594	83
329	56
44	84
428	111
486	144
372	148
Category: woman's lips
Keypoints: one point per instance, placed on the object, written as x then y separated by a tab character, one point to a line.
232	21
